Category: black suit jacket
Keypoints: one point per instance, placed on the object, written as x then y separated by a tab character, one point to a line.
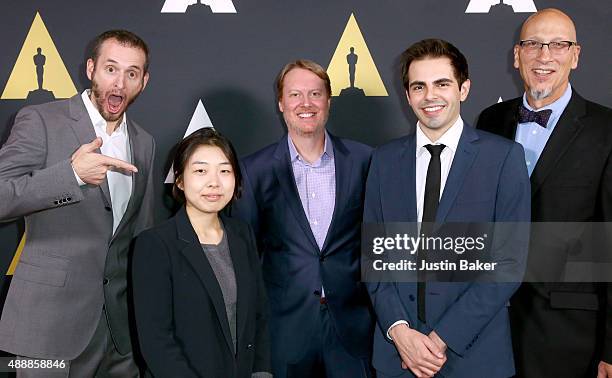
180	313
571	182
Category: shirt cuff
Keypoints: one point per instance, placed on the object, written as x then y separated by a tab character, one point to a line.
394	324
81	182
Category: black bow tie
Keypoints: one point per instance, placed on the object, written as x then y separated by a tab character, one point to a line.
541	117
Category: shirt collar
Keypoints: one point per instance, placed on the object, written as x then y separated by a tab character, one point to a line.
557	107
328	148
450	138
96	118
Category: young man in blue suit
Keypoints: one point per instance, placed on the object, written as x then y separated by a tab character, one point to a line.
445	172
303	195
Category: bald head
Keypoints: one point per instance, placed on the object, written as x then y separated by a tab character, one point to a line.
549	20
545	71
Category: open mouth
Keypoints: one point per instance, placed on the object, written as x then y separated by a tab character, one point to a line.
115	103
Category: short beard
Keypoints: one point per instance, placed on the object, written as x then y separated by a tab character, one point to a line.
99	99
538	95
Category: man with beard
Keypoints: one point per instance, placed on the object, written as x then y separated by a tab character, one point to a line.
303	195
446	172
558	329
81	174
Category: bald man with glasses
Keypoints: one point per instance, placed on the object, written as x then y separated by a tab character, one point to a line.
559	329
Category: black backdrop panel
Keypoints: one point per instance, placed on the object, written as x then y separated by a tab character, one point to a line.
228	61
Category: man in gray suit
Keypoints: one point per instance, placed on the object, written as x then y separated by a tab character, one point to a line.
81	174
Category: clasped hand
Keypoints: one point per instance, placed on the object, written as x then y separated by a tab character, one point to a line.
423	355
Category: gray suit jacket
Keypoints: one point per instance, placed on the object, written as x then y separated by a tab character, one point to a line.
72	263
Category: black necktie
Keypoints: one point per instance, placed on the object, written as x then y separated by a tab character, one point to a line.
541	117
430	207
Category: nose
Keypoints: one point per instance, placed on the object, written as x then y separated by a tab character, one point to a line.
430	93
544	53
119	81
213	181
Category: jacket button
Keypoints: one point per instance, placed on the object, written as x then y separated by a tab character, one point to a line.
411	297
321	258
105	281
250	346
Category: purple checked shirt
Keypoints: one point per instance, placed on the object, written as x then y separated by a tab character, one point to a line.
316	184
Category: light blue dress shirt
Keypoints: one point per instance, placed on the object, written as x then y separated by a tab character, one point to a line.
316	184
534	137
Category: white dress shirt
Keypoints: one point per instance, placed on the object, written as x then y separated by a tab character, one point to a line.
116	145
451	140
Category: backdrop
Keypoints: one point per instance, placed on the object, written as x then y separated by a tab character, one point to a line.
213	63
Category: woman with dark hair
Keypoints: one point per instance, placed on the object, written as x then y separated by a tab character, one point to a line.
199	299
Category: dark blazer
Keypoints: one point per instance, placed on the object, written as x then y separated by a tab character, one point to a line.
293	265
72	263
179	309
564	329
487	182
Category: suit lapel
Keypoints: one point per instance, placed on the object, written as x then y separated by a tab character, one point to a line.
239	253
406	163
286	180
137	152
84	130
195	256
463	160
566	129
510	122
344	170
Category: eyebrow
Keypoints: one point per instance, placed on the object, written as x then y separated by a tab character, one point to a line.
207	163
442	81
115	62
306	89
439	81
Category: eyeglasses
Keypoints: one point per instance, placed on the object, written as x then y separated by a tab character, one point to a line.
555	47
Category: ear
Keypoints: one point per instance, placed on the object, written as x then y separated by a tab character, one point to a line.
90	68
280	106
465	89
145	80
407	97
516	56
575	57
179	183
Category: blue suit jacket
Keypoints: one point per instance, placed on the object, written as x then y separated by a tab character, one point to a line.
488	182
293	265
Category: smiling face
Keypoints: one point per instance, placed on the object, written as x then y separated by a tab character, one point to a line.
546	74
435	95
117	78
304	103
208	180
